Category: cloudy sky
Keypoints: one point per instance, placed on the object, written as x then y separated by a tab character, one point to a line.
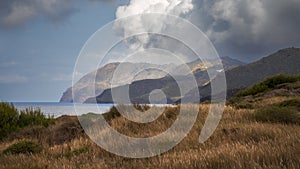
40	39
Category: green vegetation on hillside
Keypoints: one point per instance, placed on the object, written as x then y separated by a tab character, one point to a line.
268	84
11	119
275	100
295	103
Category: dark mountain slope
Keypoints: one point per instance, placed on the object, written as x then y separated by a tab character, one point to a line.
286	61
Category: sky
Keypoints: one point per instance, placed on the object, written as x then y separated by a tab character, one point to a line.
40	40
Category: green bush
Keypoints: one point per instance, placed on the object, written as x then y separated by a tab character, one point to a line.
11	119
280	79
30	117
23	147
290	103
114	110
112	113
268	84
277	114
255	89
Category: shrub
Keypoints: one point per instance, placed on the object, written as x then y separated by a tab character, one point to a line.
30	117
290	103
23	147
11	119
268	84
280	79
8	119
112	113
277	114
114	110
255	89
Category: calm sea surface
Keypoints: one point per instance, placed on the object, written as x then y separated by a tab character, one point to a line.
59	109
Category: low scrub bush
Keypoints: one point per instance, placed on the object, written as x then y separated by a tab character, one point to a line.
112	113
32	116
11	119
255	89
268	84
114	110
290	103
277	114
23	147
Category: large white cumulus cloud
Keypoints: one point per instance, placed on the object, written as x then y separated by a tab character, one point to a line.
139	23
244	29
174	7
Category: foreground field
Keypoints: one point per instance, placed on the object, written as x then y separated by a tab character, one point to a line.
239	142
260	128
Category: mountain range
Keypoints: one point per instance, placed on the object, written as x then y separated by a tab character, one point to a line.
96	82
238	77
83	90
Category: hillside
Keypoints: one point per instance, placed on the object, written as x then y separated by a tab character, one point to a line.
139	91
273	89
285	61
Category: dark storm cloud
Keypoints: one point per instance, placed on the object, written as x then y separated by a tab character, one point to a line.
249	28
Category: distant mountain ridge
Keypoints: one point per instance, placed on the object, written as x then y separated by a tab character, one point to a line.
139	91
82	90
101	79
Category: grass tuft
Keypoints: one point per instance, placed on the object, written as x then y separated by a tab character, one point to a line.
76	152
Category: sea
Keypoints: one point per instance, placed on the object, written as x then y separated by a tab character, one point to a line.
57	109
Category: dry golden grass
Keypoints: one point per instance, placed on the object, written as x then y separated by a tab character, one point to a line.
238	142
